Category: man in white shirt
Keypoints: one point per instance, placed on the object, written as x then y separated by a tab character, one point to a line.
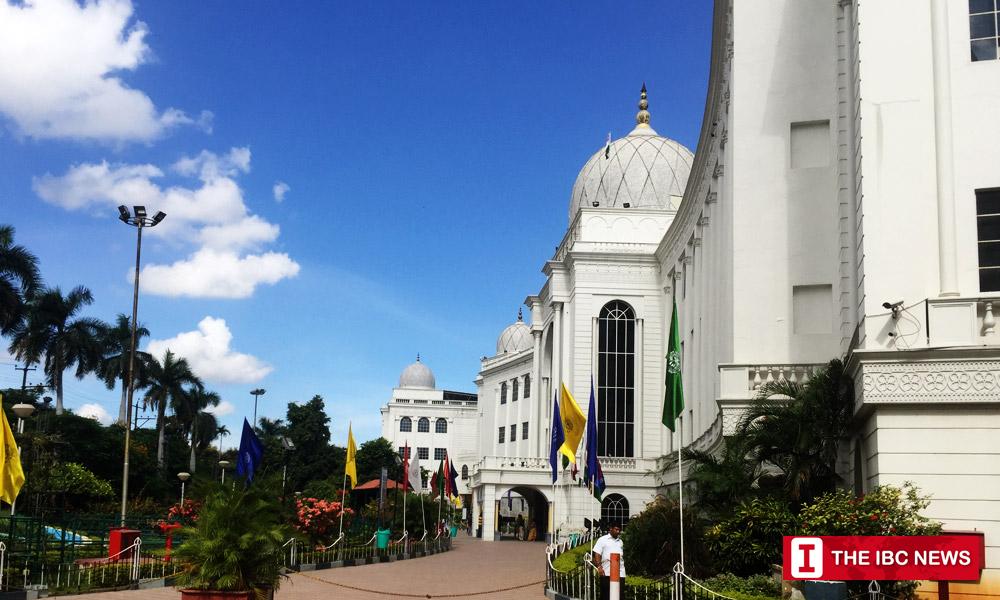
608	544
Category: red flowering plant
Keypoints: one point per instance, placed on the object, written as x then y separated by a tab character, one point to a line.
179	515
886	510
319	519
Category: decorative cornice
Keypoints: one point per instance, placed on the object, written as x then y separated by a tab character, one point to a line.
946	381
712	198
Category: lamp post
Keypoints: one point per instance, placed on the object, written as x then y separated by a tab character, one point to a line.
183	477
256	394
223	464
139	220
23	411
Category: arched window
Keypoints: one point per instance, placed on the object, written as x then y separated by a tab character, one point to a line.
513	390
614	509
616	380
441	426
424	425
527	386
465	471
503	393
405	424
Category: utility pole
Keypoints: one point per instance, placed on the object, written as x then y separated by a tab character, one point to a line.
24	378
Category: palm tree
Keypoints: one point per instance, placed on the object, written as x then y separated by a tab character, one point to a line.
191	412
19	280
114	365
726	478
798	428
167	381
53	332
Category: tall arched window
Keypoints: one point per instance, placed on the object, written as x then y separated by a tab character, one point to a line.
441	426
616	380
614	509
405	424
513	390
503	393
465	471
424	425
527	386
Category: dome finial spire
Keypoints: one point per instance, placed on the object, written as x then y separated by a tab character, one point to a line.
520	317
642	118
418	357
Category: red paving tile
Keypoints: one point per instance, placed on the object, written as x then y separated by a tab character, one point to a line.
472	569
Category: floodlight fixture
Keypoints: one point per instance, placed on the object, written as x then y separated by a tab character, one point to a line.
140	212
123	214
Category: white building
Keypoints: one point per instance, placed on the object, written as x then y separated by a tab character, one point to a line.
433	422
847	161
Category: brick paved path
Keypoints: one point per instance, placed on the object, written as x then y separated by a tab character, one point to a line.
471	566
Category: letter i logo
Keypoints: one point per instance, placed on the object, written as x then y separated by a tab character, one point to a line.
807	558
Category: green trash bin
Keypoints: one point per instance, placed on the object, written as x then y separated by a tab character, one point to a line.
572	539
382	539
454	530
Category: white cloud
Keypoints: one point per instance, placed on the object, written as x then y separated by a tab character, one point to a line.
96	412
224	408
207	351
60	66
212	216
210	273
280	189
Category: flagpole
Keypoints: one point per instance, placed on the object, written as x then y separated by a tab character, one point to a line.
680	484
406	476
343	502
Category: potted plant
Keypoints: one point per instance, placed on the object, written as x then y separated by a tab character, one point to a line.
234	549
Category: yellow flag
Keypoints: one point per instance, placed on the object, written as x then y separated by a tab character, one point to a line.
351	468
574	424
11	475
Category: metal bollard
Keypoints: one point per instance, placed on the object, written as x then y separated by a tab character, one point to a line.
614	589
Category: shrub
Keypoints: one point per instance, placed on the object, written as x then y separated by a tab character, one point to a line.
652	541
755	585
749	542
318	519
887	510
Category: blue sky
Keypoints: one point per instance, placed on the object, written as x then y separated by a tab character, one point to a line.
346	185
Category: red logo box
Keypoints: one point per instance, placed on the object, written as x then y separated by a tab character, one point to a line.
846	558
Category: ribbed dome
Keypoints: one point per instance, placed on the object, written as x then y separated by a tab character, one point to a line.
515	338
417	375
643	169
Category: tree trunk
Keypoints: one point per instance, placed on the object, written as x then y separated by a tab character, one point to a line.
191	465
161	426
57	381
123	405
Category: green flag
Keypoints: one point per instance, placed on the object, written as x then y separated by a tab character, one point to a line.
673	398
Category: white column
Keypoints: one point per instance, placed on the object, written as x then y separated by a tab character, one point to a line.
537	424
557	344
489	511
639	386
944	158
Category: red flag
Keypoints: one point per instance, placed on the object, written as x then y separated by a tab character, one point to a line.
406	466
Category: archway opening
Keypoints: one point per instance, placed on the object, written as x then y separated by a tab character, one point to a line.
523	514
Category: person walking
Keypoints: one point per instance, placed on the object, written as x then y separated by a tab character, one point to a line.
519	528
608	544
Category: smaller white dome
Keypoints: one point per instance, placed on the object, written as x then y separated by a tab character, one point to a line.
417	375
515	338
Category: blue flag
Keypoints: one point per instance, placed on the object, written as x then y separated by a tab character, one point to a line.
558	437
251	453
593	476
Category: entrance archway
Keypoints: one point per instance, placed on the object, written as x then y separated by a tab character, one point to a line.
531	505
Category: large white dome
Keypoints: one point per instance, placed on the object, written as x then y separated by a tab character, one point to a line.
515	338
642	169
417	375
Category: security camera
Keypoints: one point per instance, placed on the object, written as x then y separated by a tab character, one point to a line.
895	307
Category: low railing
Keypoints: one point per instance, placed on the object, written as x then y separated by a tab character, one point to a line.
340	551
742	381
127	568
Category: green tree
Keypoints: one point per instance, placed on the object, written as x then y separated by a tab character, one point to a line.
307	425
167	387
725	479
114	365
53	331
19	280
798	427
372	456
190	412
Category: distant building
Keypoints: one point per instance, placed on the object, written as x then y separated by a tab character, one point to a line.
433	422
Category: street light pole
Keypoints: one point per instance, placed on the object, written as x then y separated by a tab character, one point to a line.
256	393
183	477
23	411
138	220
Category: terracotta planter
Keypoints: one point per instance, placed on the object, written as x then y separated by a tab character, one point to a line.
214	595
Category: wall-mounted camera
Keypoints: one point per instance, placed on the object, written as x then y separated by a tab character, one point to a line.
895	307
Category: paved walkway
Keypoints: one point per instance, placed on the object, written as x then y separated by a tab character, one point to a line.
471	568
